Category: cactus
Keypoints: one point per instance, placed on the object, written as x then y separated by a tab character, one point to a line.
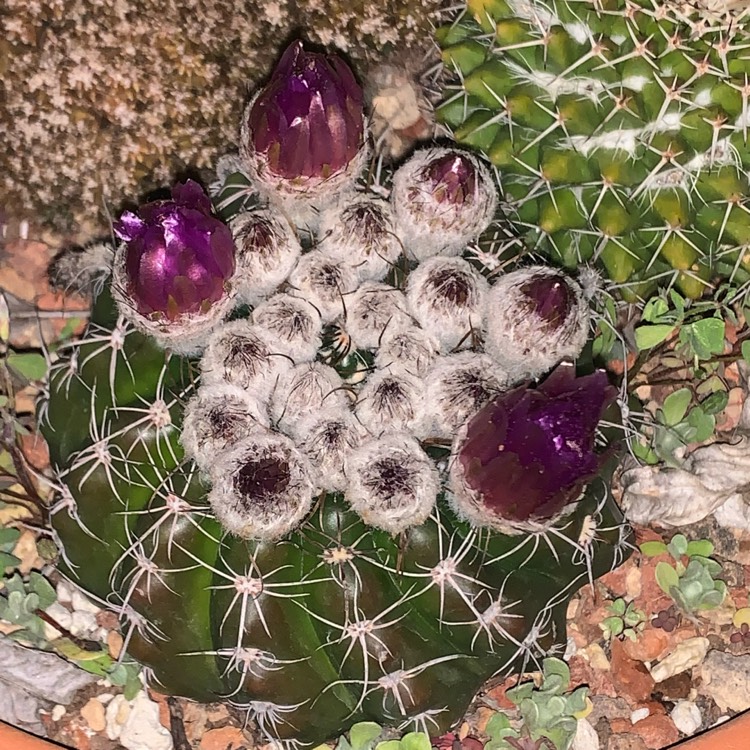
618	129
272	521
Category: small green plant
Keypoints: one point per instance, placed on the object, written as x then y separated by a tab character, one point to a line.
682	343
367	735
625	620
548	713
691	581
20	602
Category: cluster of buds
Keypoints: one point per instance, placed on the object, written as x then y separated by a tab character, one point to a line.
441	351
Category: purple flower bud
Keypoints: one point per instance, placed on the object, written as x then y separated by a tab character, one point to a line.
442	199
308	120
177	256
452	177
527	455
535	317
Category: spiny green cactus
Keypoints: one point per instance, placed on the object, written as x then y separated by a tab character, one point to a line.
618	129
319	577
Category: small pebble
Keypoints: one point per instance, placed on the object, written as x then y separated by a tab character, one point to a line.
638	714
57	712
94	715
686	655
686	717
586	737
114	644
82	604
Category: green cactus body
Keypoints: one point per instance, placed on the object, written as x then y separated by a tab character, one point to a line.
336	623
618	129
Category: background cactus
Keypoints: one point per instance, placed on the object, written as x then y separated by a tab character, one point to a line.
368	610
618	129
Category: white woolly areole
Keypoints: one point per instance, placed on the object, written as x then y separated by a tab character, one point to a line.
323	281
216	418
374	309
303	198
411	349
457	387
267	251
328	441
185	336
241	353
392	400
263	489
428	227
360	231
518	339
467	502
447	297
293	325
393	484
307	388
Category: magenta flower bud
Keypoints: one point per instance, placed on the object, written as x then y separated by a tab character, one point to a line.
535	317
305	129
442	199
178	257
523	460
452	177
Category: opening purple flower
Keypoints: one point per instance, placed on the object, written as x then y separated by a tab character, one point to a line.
308	120
178	256
530	451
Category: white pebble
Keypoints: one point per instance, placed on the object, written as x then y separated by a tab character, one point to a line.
686	717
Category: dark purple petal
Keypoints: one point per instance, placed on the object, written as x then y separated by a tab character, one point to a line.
529	452
181	257
129	226
308	120
190	194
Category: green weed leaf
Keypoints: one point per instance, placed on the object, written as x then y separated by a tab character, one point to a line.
647	337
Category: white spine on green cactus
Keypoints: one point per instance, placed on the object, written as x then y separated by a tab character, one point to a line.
392	400
323	280
216	418
456	388
328	441
188	335
535	318
267	251
307	388
263	488
302	199
410	349
393	484
243	354
428	227
447	297
293	325
359	230
374	310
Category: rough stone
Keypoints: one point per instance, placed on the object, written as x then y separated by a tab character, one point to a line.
104	102
676	687
686	717
726	679
626	742
686	655
608	708
631	678
94	715
226	738
586	737
649	646
657	731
